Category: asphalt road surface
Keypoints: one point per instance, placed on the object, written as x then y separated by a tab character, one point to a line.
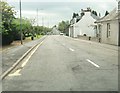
65	64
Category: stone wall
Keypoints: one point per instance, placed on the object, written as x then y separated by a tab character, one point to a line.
95	39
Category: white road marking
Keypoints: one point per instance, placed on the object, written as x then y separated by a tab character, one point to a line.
31	55
17	73
93	63
76	39
71	49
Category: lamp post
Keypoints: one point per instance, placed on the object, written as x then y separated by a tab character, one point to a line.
42	19
21	23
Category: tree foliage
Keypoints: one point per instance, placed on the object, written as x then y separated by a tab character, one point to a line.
26	28
106	13
94	12
63	26
75	15
7	18
40	30
11	26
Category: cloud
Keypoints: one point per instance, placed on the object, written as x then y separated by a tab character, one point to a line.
55	12
26	13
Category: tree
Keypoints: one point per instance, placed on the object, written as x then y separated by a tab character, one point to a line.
26	28
7	18
63	26
40	30
106	13
94	12
75	15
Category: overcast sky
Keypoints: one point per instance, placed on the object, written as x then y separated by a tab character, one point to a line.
54	11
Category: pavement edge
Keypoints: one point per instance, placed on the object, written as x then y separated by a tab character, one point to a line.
18	61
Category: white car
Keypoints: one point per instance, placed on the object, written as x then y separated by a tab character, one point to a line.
61	33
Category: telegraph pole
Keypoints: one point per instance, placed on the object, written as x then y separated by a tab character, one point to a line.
21	23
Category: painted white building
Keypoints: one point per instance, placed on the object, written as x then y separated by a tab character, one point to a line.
85	25
55	31
109	27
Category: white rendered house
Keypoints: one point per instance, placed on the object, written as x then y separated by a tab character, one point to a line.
85	26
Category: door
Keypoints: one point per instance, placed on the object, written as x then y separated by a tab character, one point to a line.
99	33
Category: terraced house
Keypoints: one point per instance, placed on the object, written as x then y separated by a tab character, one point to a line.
109	27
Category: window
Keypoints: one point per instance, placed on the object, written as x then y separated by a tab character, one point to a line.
119	6
108	30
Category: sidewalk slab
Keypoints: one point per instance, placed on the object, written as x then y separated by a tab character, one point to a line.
113	47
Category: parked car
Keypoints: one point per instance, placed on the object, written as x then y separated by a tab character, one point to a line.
61	33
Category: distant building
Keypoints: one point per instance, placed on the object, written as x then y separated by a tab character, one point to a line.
109	28
84	24
55	31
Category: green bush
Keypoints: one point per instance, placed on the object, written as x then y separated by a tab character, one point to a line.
7	18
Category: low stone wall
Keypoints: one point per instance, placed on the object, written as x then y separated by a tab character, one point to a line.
95	39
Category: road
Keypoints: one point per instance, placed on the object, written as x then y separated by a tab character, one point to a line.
11	55
64	64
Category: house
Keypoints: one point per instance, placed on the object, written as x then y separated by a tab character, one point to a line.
109	28
71	28
84	24
55	31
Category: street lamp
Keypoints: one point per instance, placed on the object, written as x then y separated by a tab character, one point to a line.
38	18
21	22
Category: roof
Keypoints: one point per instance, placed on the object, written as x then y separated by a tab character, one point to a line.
91	14
113	15
78	18
95	17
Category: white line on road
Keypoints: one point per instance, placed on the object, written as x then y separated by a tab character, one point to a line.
17	73
76	39
31	55
93	63
71	49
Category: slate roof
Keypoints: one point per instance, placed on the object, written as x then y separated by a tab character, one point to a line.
113	15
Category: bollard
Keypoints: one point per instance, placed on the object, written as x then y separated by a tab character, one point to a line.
89	38
32	38
100	40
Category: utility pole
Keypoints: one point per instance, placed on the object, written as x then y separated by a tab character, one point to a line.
21	23
48	22
42	21
37	22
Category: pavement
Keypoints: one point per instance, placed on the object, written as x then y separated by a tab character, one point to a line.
12	54
61	63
